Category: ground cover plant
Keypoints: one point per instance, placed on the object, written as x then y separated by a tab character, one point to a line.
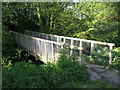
65	73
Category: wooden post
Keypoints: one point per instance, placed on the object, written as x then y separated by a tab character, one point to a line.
45	52
80	54
71	52
110	54
52	51
91	51
63	43
57	41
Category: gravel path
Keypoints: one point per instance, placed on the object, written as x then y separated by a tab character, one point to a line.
99	72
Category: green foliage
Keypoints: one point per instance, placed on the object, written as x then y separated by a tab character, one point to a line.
99	21
51	75
19	56
19	16
27	75
8	43
95	15
116	59
90	20
101	56
70	68
6	63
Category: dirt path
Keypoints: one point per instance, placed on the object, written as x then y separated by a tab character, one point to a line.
99	72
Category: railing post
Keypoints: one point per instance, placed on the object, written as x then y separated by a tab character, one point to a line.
71	52
57	41
91	51
45	52
80	54
52	51
63	43
110	54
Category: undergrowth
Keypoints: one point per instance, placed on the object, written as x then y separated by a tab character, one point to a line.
66	72
51	75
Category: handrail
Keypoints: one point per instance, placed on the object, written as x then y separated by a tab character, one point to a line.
39	38
96	42
92	42
38	47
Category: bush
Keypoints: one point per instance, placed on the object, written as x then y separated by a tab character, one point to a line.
70	68
116	59
50	75
8	43
27	75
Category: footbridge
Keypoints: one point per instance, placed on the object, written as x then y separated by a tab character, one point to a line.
46	47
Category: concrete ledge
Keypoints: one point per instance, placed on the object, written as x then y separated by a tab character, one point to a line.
99	72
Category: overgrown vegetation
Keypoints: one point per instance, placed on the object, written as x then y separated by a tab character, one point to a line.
66	71
8	43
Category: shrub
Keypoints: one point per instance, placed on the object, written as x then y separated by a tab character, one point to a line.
70	69
116	59
8	43
27	75
49	75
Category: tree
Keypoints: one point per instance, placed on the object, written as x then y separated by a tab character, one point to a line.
98	21
19	16
88	20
